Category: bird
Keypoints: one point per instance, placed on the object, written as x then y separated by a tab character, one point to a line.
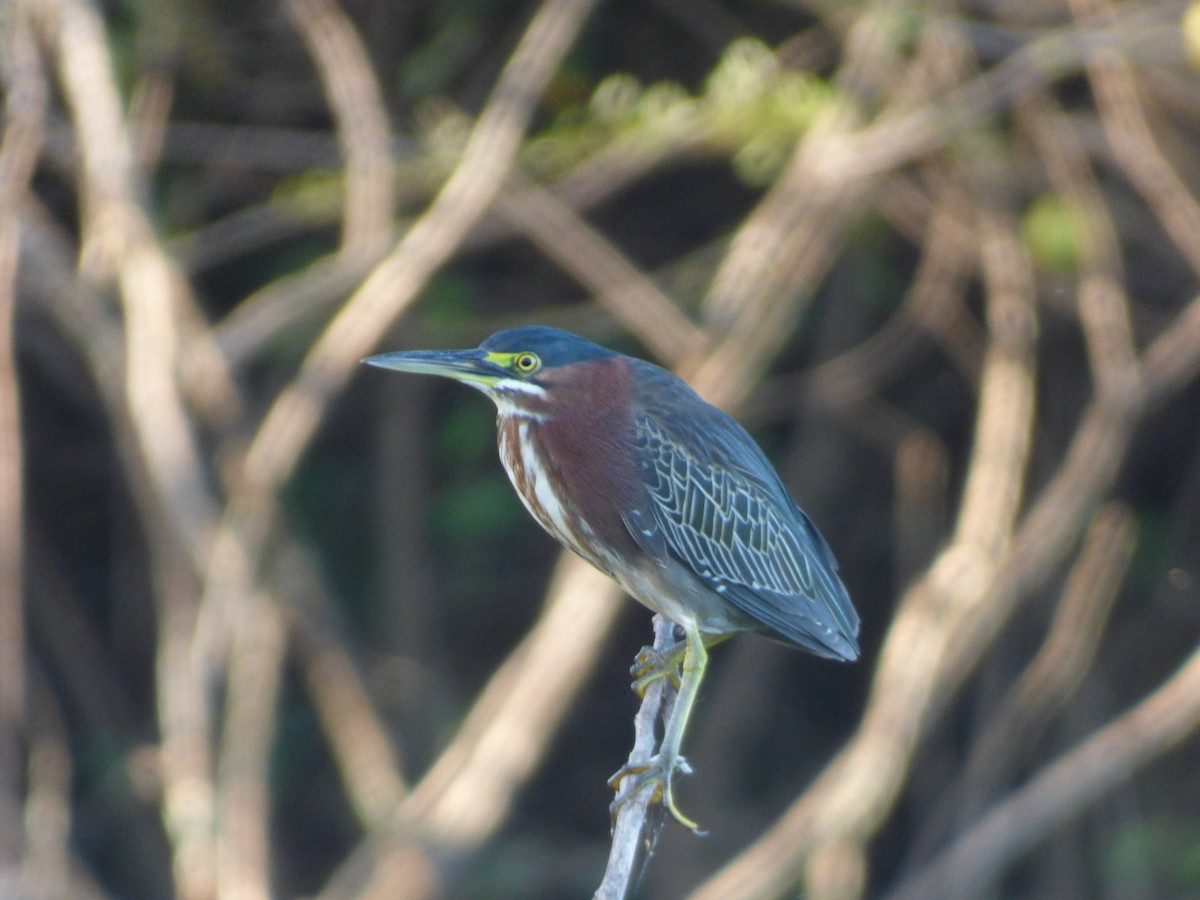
626	465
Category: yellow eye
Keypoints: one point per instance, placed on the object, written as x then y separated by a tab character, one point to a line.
526	363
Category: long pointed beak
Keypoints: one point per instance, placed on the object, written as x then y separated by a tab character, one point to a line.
468	366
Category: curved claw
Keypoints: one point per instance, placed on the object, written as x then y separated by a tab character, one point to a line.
650	665
659	772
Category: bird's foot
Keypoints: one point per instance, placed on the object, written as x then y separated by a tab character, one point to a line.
658	775
650	665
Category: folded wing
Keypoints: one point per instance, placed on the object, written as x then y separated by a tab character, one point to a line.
720	509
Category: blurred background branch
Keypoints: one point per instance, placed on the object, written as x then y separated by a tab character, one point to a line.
20	145
268	629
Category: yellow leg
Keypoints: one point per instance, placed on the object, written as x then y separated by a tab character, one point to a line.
668	761
695	661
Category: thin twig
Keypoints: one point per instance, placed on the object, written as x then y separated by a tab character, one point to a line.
358	739
49	868
637	822
255	670
1046	532
354	98
285	303
1172	360
896	140
932	304
1047	683
364	751
618	284
292	420
783	248
1063	788
392	286
470	788
118	243
1127	127
257	625
850	799
291	300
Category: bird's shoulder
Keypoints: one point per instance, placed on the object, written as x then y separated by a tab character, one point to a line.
672	419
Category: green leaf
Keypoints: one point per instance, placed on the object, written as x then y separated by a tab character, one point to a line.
1053	231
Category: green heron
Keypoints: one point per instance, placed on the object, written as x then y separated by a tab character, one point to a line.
626	465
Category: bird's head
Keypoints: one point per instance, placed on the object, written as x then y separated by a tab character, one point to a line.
518	368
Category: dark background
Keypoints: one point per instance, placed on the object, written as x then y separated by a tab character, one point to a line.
392	560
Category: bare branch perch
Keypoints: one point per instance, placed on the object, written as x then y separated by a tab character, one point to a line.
637	822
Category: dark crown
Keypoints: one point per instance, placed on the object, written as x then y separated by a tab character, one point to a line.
555	346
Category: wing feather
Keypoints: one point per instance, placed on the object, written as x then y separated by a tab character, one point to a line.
718	507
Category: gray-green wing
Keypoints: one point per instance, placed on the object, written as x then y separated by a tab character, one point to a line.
720	509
